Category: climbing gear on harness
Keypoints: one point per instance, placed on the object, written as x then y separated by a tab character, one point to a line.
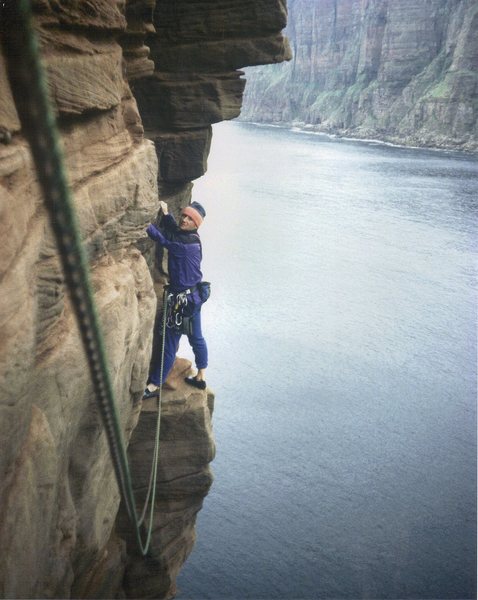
177	303
204	289
29	90
175	307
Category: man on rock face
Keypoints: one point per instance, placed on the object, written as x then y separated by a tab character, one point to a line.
184	301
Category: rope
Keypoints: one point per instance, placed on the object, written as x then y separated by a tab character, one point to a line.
154	470
30	93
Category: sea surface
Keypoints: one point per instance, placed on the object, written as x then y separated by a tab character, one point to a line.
342	338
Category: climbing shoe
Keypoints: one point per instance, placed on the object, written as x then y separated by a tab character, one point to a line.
201	385
147	394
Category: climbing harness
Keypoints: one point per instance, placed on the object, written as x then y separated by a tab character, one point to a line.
38	123
175	308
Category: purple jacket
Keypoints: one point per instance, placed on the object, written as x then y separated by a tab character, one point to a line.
184	253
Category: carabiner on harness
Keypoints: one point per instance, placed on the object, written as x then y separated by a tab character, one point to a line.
176	305
169	310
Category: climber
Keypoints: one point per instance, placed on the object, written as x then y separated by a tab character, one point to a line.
186	294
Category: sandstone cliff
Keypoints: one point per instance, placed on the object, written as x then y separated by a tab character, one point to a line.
60	532
396	70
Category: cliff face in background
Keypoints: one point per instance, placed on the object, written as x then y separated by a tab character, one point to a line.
60	531
397	70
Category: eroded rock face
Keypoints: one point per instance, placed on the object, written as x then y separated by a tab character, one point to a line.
58	495
59	500
184	479
198	47
398	70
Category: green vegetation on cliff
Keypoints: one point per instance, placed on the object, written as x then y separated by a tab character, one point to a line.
394	70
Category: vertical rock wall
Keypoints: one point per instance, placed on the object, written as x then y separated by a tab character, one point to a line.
398	70
58	495
197	48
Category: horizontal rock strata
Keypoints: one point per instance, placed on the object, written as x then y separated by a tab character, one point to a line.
197	48
59	496
59	499
396	70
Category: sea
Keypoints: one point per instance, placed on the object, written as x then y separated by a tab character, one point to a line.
342	334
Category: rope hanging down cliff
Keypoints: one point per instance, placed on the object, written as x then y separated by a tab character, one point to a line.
38	123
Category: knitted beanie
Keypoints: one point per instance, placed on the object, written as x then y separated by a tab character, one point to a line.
196	212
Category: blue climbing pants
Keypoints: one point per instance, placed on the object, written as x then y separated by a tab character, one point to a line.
171	345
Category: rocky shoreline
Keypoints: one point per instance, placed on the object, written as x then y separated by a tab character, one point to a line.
371	137
401	72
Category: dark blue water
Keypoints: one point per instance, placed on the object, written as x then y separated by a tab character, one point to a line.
342	334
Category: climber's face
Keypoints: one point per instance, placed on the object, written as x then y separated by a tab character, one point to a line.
186	223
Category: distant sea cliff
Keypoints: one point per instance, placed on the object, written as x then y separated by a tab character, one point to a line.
396	70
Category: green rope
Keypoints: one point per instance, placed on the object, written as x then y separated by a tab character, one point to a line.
154	471
30	92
